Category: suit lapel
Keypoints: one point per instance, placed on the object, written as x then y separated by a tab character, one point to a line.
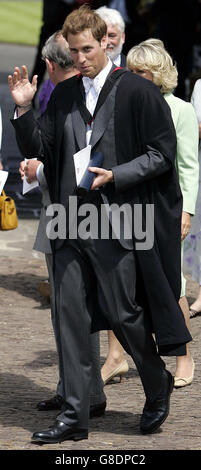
80	115
102	118
104	108
79	127
105	105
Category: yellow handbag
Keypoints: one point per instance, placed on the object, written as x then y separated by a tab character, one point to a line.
8	213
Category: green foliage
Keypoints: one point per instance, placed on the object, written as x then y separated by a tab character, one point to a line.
20	21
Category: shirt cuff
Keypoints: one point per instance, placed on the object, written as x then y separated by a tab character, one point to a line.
39	171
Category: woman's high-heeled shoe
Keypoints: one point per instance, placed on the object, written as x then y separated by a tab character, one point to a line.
119	371
183	381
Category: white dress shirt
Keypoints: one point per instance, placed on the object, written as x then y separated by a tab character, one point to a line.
93	87
40	172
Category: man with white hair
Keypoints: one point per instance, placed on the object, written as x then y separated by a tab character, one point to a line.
116	34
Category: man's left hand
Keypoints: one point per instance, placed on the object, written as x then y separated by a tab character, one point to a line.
102	177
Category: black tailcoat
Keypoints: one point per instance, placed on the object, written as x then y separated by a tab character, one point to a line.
143	132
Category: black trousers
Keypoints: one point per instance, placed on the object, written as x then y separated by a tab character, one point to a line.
103	267
97	394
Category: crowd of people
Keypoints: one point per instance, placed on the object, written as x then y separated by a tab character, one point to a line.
121	101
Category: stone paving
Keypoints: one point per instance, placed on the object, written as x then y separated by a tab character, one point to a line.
28	369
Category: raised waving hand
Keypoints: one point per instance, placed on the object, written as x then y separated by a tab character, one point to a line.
21	89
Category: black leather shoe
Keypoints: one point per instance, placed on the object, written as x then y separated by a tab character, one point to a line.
97	410
59	432
54	403
156	412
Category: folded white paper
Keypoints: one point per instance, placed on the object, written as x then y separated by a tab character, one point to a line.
3	178
28	186
81	162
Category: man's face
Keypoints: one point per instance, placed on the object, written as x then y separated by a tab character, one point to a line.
88	54
115	41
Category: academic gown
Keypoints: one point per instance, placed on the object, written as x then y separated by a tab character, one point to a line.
159	269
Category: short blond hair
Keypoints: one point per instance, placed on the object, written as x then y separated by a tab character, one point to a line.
84	18
152	56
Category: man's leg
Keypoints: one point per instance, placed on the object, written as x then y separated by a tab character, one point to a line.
73	322
97	395
116	279
116	275
72	282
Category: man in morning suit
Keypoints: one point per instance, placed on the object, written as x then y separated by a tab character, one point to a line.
126	119
60	67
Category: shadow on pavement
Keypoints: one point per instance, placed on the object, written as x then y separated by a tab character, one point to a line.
20	395
25	284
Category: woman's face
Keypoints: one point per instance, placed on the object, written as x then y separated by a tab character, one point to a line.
142	72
